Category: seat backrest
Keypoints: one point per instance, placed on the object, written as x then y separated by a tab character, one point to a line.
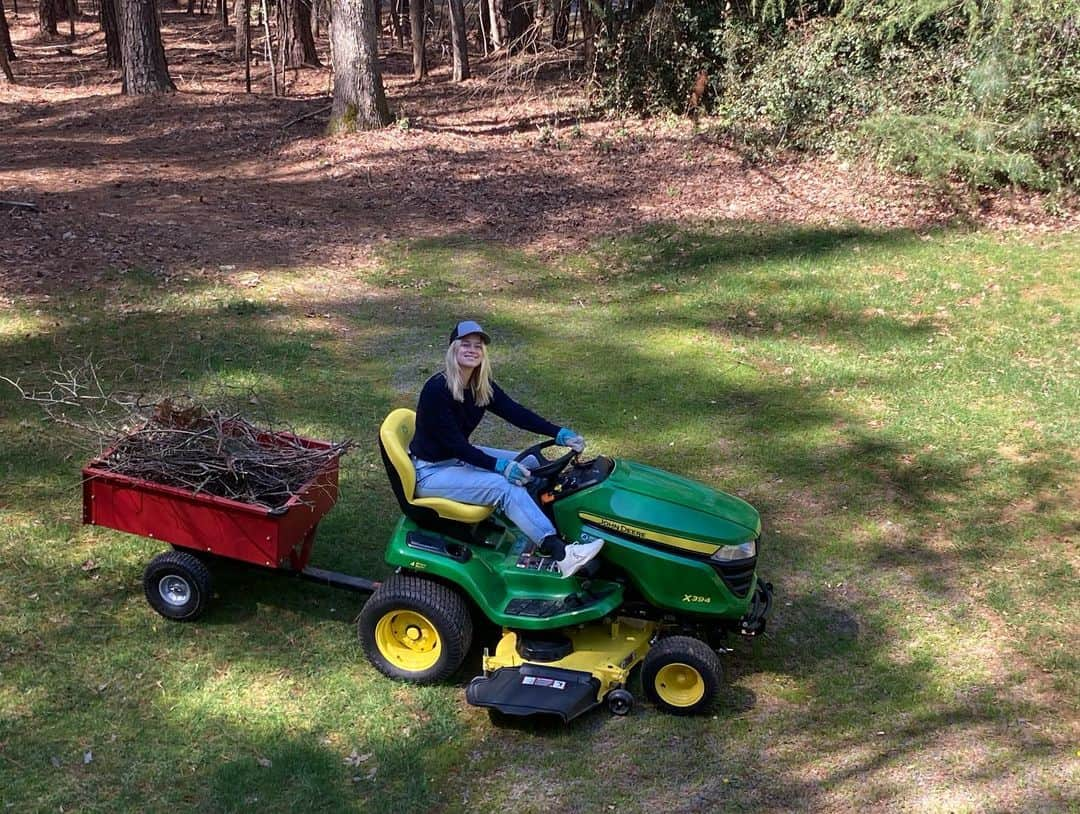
435	513
394	436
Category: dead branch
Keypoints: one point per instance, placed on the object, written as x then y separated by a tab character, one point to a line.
25	206
178	441
525	67
308	115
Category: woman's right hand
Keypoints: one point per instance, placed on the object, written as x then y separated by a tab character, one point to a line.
518	474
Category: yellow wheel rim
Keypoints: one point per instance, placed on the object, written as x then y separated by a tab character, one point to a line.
680	685
408	640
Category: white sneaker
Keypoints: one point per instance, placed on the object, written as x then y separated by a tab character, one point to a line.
577	556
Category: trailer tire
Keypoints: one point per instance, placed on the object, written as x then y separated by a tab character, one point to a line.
414	629
681	675
177	585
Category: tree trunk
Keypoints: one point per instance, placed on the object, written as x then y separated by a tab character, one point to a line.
223	12
588	33
47	17
499	23
5	46
109	24
72	10
5	67
543	13
5	36
242	19
395	23
417	15
521	17
264	14
297	41
400	13
359	98
459	40
560	23
144	68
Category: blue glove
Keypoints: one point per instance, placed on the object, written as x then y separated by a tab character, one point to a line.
514	472
568	438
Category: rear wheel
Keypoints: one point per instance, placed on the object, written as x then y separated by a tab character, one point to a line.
177	585
413	629
681	675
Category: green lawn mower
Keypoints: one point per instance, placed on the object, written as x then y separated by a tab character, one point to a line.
676	575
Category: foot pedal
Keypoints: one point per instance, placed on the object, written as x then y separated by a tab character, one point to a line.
531	561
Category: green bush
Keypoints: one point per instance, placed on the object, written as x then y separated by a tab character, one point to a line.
985	92
652	65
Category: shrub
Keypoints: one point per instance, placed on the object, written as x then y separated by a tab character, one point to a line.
986	92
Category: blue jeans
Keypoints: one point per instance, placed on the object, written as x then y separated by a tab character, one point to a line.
465	483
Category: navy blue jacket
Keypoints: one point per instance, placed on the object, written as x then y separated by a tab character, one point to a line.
443	426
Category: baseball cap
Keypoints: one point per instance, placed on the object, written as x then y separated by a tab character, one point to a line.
466	327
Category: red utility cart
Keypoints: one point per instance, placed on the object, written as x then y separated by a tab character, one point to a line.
201	526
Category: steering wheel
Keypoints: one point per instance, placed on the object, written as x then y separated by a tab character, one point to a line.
547	469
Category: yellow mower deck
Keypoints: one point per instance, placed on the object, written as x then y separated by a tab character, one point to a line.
603	655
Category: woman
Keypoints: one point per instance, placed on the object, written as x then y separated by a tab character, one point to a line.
451	404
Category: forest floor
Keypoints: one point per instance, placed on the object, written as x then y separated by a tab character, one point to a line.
213	179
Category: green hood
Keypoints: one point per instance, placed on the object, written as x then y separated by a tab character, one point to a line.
649	504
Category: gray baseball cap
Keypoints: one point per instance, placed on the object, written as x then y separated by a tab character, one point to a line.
466	327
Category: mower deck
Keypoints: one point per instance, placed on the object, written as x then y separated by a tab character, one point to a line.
599	660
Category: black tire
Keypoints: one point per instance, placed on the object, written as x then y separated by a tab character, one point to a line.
620	702
681	675
177	585
413	629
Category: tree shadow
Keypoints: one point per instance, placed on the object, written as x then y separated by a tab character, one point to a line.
842	646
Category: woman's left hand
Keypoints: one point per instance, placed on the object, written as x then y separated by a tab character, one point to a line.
568	438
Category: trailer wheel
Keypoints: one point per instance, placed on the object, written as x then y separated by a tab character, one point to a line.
177	585
681	675
414	629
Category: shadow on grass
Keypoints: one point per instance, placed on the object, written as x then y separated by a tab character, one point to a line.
842	645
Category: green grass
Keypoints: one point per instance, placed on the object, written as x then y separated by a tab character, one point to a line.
901	408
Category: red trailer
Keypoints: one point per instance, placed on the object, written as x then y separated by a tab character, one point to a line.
201	526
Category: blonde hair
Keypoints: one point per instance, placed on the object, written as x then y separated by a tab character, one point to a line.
479	382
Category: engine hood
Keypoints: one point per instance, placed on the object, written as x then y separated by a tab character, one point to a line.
653	506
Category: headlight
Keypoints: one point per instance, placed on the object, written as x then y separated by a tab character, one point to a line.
729	553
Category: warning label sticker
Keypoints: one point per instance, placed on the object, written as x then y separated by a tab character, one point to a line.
541	681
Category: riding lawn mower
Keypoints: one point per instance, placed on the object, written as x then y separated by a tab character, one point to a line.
676	576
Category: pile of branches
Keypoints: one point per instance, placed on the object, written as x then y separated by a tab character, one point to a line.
224	455
180	441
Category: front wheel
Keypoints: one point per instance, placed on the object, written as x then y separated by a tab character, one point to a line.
620	702
681	675
177	585
414	629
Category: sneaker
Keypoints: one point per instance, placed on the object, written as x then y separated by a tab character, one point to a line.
577	556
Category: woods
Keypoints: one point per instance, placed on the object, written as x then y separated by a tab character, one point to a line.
987	94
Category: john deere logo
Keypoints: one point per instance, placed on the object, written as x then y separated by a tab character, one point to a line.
649	536
614	525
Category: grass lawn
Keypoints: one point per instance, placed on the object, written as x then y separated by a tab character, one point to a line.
902	409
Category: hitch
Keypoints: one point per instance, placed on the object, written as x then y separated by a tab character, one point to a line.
755	620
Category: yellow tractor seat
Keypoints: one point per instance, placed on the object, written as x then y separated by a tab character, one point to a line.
394	436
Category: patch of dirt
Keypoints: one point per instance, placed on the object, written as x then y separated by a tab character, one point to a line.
214	180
